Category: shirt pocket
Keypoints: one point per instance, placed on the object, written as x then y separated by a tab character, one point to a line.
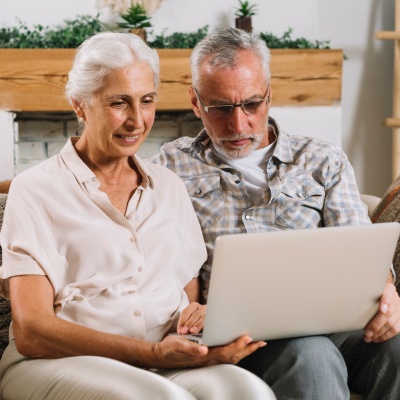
205	192
300	204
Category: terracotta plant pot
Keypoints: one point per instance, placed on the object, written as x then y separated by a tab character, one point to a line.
244	23
141	32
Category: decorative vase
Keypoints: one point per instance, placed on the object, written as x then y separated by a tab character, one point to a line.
141	32
244	23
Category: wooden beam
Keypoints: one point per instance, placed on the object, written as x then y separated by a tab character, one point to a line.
387	35
34	79
392	122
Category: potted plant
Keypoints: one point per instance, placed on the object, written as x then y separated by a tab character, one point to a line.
136	20
243	15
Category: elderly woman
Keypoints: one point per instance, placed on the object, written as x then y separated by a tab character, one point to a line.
102	252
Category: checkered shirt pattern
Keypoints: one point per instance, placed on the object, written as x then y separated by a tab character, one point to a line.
311	185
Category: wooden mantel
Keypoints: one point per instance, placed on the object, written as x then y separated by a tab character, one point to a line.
34	79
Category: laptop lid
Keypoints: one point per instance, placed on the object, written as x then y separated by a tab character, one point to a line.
281	284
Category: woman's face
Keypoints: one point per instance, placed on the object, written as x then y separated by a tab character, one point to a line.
121	113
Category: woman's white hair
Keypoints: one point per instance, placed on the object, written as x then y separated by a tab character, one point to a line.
220	49
102	53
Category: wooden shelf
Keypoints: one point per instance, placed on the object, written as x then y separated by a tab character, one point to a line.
388	35
392	122
34	79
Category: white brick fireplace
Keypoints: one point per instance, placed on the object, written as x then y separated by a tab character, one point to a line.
30	137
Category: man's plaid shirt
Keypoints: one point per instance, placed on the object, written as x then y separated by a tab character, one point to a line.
311	185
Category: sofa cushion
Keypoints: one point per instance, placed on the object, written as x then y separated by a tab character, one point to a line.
388	210
5	310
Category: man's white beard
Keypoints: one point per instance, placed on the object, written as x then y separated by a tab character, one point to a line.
239	153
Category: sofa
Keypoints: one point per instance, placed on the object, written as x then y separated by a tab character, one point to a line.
388	209
5	310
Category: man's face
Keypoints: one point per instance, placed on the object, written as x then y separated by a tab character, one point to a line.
237	134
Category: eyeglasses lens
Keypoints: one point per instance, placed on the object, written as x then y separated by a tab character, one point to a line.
250	107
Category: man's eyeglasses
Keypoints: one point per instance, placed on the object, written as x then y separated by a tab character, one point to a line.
225	110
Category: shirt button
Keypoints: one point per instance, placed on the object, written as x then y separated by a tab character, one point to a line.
217	162
299	194
247	217
237	181
198	191
140	269
131	291
137	314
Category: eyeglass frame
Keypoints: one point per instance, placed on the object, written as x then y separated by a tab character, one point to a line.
233	105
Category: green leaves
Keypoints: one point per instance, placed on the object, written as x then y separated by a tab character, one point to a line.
245	9
135	17
178	40
73	32
286	42
70	35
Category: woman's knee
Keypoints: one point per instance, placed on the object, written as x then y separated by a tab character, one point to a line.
222	382
236	382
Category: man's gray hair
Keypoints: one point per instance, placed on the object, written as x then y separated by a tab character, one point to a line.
221	48
103	53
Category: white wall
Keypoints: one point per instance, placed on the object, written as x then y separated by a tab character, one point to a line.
7	145
350	25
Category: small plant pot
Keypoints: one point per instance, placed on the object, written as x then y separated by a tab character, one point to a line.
244	23
141	32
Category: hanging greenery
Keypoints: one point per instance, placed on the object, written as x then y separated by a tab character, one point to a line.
70	35
73	32
286	41
178	40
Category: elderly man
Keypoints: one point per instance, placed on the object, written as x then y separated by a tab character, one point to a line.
245	175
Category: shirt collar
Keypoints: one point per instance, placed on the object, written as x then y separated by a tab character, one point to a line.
83	173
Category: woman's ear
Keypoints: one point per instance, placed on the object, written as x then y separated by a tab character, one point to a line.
79	111
195	101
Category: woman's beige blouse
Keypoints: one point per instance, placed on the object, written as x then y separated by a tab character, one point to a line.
110	272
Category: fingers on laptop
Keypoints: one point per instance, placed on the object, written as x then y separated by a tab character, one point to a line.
192	319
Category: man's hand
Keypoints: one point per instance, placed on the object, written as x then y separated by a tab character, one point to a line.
177	352
386	322
192	319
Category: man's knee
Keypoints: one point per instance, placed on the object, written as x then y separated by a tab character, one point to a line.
310	352
309	368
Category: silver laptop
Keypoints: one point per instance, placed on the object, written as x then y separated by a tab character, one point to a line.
281	284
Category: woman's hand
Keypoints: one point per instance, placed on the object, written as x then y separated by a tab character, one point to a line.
191	319
178	352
